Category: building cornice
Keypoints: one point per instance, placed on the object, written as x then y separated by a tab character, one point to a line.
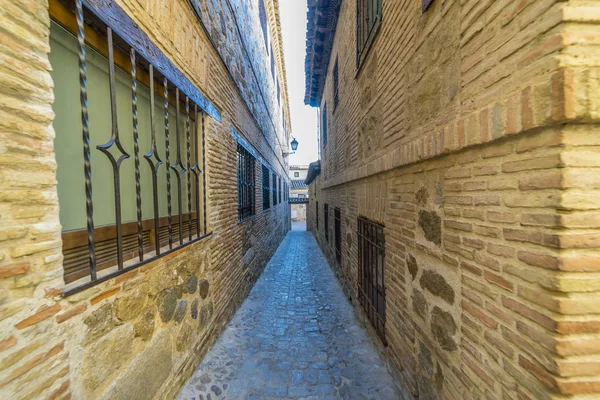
322	21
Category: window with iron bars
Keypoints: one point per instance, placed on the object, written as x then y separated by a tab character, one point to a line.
246	183
280	190
371	273
326	218
368	19
274	189
266	188
337	216
150	196
262	15
336	85
324	124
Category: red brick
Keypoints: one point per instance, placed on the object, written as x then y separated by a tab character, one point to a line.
551	180
475	243
70	313
500	250
579	241
537	317
539	260
8	271
480	315
474	214
527	117
532	164
7	343
488	200
545	220
474	186
34	362
487	261
485	171
502	217
461	200
104	295
539	372
477	370
471	268
499	313
458	173
42	314
499	344
499	281
461	226
489	231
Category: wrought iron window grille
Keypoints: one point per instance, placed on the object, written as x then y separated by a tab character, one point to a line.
266	188
336	85
368	19
141	241
246	183
326	218
371	273
337	216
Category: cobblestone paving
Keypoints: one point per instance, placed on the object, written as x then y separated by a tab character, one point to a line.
295	337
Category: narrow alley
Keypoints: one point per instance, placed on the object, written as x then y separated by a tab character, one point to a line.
295	336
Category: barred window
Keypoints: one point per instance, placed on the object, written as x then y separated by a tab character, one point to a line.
246	183
337	216
142	124
368	19
324	124
336	85
326	217
266	176
262	15
274	189
371	276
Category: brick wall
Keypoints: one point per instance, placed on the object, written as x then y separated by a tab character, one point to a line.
141	334
468	133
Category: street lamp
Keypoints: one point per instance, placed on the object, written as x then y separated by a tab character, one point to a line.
294	145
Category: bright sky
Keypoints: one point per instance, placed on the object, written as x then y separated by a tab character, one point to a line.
304	118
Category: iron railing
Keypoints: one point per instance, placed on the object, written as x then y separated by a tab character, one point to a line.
371	276
190	169
368	18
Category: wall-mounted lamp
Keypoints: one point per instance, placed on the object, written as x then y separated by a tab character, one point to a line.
294	145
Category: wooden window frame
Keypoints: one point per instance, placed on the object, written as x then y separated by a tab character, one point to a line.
367	28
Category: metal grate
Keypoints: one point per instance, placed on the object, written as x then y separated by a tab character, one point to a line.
246	183
368	18
266	188
337	220
274	189
144	240
371	277
336	85
326	217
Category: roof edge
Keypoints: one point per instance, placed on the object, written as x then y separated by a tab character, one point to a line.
314	170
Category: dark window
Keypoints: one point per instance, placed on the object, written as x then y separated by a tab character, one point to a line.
425	5
274	189
296	174
272	64
324	124
262	14
134	216
371	263
336	86
245	176
317	215
278	94
368	18
326	218
338	234
280	190
266	176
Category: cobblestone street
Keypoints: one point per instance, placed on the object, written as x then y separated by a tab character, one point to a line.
295	337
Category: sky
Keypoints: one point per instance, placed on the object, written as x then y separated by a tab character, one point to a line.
304	118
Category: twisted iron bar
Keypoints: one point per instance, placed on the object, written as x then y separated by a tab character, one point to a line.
136	152
204	175
189	161
176	167
154	164
87	165
168	152
196	171
114	140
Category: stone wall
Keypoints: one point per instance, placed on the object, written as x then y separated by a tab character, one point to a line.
141	334
469	133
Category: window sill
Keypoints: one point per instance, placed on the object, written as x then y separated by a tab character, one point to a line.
112	272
